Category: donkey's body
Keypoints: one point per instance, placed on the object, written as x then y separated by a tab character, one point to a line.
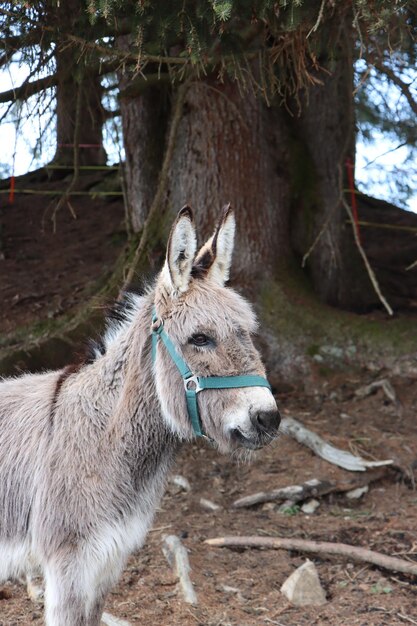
88	473
84	453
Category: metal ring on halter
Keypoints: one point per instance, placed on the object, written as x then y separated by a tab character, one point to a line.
157	326
195	381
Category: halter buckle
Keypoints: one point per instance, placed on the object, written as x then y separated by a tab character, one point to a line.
192	383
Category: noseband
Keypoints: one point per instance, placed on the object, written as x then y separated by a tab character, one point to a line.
194	384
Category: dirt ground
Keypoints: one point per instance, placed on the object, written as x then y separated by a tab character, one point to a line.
45	273
242	587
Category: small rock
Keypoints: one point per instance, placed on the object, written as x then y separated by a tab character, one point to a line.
180	481
303	587
208	505
345	416
332	351
318	358
351	351
310	506
228	589
269	506
287	507
110	620
357	493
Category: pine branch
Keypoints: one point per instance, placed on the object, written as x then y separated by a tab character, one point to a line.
11	45
14	43
394	78
28	89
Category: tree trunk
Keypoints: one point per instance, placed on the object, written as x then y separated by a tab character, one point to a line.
79	108
144	121
326	129
285	175
232	148
229	148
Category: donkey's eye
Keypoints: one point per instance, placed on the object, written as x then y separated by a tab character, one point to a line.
200	339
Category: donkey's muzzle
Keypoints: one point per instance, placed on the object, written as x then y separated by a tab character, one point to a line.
265	428
267	421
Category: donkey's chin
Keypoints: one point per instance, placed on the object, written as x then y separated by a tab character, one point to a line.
256	442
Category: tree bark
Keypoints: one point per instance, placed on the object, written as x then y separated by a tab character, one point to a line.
73	75
232	148
144	122
326	128
229	148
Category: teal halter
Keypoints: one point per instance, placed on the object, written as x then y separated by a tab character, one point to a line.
194	384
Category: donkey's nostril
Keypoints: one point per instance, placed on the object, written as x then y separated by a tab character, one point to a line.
267	420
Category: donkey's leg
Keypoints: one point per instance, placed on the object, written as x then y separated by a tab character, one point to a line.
67	601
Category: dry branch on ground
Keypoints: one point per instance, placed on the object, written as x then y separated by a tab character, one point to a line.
310	489
326	451
352	553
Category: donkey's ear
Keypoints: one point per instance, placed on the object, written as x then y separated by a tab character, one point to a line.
182	245
215	257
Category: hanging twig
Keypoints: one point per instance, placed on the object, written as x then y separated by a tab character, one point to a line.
412	266
319	19
352	553
368	267
317	239
326	223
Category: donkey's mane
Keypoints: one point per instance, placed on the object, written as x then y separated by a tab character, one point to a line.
119	315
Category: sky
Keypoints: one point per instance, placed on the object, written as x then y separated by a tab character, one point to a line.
17	140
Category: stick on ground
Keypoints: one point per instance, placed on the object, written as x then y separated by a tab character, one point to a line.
176	555
310	489
352	553
326	451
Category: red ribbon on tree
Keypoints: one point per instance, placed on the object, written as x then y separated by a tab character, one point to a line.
11	191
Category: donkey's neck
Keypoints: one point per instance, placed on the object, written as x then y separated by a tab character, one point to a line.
136	423
124	363
118	398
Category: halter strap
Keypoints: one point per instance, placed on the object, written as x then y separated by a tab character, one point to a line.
194	384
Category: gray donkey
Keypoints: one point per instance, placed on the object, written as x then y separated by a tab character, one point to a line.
84	452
